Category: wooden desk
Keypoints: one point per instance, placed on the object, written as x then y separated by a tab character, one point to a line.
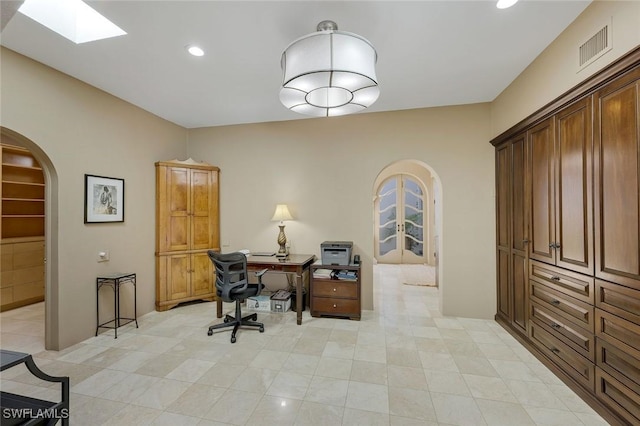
294	264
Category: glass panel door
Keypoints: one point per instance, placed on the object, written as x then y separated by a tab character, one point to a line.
400	221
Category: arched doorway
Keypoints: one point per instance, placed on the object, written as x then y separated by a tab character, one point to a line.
51	338
407	209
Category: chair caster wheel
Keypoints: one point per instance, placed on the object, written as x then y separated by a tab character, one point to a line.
255	317
233	340
226	320
261	329
210	333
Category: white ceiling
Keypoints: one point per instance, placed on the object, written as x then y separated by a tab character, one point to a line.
430	53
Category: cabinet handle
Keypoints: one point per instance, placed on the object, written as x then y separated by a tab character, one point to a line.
552	245
557	245
555	278
555	351
334	289
398	227
335	306
556	326
525	241
555	302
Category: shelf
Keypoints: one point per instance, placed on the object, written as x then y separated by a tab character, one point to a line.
23	190
20	166
22	207
19	226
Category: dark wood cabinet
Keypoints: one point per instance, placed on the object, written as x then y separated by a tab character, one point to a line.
568	215
512	231
617	181
560	191
332	296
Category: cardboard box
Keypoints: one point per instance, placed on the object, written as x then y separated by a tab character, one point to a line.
260	303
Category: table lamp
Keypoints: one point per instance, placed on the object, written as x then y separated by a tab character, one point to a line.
282	214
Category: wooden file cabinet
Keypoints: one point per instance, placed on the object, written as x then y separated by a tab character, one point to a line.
335	297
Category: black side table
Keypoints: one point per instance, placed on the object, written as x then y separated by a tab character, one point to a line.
25	410
115	281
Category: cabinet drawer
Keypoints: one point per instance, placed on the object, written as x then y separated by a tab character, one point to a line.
577	338
575	365
337	307
618	331
564	306
619	300
623	400
619	364
335	288
567	282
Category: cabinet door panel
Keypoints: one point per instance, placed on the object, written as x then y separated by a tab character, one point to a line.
504	293
201	274
520	291
541	202
617	178
503	185
518	202
573	188
201	206
178	277
178	209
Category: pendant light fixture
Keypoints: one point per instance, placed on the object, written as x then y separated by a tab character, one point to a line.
329	73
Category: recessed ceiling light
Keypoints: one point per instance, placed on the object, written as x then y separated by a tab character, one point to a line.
195	50
72	19
503	4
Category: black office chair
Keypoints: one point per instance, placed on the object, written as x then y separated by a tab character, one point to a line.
232	285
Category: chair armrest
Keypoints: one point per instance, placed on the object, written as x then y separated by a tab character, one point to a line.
259	274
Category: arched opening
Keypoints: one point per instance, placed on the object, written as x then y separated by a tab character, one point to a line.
51	326
407	209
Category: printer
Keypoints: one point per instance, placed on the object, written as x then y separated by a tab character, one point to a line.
336	252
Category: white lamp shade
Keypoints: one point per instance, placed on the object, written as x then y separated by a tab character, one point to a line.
329	73
282	213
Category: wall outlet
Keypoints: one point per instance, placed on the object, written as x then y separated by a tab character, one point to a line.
103	256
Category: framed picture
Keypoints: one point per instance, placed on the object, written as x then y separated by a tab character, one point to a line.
103	199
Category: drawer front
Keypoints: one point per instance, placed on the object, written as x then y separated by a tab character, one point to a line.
577	338
567	282
337	307
334	288
623	400
575	365
618	331
619	364
564	306
619	300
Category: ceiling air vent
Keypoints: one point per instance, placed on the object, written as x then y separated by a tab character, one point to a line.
596	46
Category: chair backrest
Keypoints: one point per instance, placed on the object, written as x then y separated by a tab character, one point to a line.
231	273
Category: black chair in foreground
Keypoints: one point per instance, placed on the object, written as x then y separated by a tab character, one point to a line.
232	285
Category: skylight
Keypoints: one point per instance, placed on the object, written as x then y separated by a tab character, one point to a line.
72	19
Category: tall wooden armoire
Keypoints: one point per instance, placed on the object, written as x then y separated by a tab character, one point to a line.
187	220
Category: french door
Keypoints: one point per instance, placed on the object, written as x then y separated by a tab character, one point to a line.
400	218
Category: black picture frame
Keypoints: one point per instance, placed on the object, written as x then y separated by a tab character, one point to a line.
103	199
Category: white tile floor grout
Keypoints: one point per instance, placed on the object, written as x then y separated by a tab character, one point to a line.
402	364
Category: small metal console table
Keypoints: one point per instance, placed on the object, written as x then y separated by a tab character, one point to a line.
24	410
115	281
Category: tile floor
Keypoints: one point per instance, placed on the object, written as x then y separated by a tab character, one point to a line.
403	364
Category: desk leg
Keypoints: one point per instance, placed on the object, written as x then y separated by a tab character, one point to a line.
299	297
219	307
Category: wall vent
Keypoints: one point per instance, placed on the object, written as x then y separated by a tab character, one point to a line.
595	47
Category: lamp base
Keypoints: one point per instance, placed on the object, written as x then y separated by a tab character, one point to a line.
282	255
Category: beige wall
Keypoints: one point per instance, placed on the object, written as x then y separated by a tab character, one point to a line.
555	70
325	170
84	130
